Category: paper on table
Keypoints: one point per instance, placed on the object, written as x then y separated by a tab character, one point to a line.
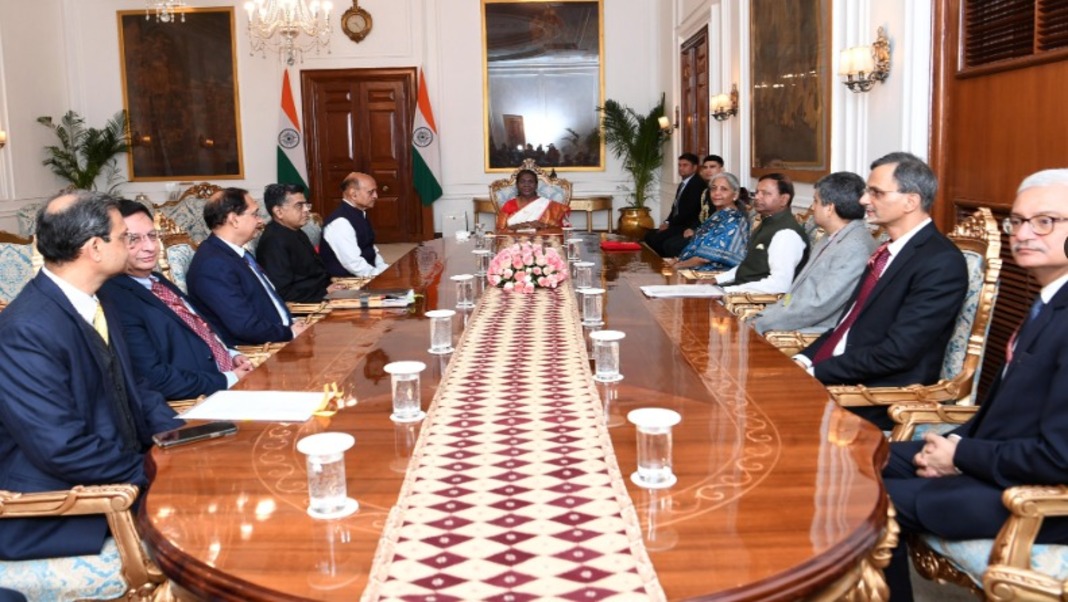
682	290
270	406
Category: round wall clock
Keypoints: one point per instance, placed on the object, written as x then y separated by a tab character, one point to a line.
356	23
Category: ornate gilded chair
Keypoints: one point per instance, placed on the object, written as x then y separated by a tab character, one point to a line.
27	218
979	239
188	210
121	570
549	187
176	250
1010	567
19	263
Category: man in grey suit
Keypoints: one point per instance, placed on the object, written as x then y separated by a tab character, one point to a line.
819	293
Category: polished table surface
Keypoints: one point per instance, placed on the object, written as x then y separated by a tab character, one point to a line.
778	493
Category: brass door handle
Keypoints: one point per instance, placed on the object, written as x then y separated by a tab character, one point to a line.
385	189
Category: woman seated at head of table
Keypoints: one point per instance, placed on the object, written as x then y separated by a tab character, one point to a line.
719	242
528	210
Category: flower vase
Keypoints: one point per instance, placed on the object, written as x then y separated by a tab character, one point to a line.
634	221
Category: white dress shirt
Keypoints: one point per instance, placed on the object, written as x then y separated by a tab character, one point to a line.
343	241
784	253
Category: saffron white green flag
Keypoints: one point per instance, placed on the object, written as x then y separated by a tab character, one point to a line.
291	166
426	151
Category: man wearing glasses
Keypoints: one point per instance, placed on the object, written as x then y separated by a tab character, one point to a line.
285	252
903	311
951	486
171	347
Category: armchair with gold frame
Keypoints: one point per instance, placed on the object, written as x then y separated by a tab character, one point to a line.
176	250
131	576
187	211
549	186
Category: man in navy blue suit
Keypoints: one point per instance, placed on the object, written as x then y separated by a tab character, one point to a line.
71	412
226	284
172	348
951	485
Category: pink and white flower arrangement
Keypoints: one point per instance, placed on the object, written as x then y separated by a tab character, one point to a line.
525	266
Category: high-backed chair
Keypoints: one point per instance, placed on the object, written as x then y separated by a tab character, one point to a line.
121	570
19	263
188	210
979	239
27	218
549	187
176	250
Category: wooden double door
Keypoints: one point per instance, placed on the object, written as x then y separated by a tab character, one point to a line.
361	120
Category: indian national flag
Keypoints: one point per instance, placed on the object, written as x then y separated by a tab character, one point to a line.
291	167
426	152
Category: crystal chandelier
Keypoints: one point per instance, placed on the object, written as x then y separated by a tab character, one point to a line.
290	20
166	10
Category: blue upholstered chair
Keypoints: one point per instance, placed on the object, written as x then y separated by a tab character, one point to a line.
188	210
121	570
176	252
549	187
19	263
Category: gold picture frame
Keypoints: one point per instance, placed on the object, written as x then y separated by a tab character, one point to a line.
790	64
179	89
543	79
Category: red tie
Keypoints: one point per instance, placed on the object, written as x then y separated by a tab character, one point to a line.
876	263
196	324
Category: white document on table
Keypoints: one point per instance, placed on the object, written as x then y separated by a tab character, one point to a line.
670	291
268	406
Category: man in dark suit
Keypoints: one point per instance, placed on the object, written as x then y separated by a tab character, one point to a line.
285	252
226	284
71	412
902	313
172	348
685	210
951	486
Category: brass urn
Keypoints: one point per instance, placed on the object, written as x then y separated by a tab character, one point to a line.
634	221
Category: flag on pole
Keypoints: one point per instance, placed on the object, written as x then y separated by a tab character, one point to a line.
426	152
291	166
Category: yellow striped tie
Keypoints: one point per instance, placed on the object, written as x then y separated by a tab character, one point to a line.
100	323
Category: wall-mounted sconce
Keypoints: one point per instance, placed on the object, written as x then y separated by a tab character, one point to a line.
206	142
139	139
3	138
665	125
724	106
863	66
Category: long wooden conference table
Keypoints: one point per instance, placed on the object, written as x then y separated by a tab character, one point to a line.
778	495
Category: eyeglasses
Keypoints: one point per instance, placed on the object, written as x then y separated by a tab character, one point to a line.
132	240
875	192
1041	225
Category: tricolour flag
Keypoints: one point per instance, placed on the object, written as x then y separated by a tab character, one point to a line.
291	166
426	152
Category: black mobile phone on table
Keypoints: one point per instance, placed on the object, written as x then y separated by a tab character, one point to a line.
190	434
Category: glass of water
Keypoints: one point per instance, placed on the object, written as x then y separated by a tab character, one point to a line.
404	378
465	290
574	248
592	306
583	274
654	447
327	489
482	261
440	331
606	355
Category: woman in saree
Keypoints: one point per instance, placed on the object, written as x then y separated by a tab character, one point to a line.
720	241
527	209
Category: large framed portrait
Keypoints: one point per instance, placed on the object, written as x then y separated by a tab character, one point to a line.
543	80
179	88
791	97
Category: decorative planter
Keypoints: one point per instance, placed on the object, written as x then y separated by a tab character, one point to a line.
634	221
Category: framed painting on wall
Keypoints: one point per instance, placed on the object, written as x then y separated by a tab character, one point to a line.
179	88
790	62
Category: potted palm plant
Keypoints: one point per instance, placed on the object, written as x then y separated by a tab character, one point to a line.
84	154
639	141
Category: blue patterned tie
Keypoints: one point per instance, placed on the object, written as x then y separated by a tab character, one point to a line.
251	261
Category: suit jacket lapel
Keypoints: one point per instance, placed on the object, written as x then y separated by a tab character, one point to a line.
901	261
148	297
53	292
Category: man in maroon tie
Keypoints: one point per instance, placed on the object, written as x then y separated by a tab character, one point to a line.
171	347
902	313
951	486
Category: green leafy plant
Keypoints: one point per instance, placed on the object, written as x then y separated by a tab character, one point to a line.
84	154
638	140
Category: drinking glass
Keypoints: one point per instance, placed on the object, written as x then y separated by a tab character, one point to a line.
592	306
465	290
440	330
654	447
583	274
606	355
482	261
574	248
404	378
327	490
